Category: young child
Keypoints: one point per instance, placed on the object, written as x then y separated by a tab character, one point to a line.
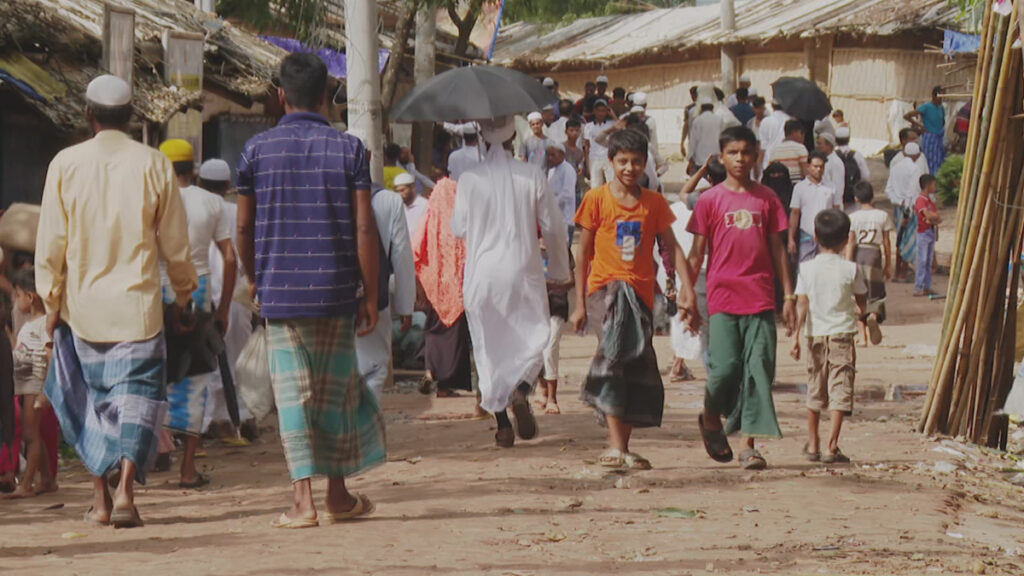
31	358
558	307
927	219
831	295
738	225
871	249
615	288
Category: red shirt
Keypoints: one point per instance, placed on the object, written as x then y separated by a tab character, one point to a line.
921	205
738	225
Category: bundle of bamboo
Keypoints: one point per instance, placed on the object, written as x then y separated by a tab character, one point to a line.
973	368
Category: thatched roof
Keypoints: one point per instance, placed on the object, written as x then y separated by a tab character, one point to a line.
63	40
637	38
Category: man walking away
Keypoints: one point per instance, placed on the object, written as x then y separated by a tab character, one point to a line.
466	157
111	209
306	236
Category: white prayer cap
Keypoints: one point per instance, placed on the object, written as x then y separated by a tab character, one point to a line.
636	110
600	102
828	137
469	129
109	91
549	82
912	149
704	101
842	132
602	79
404	179
640	98
556	145
549	107
215	170
744	78
498	130
534	116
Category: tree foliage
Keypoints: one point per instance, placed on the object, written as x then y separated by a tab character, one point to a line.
565	11
301	19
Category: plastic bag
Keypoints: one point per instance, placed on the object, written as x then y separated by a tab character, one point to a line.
252	375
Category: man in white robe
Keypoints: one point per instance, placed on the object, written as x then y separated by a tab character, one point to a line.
373	351
498	208
466	157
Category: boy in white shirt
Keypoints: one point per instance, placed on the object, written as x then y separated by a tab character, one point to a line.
831	295
870	248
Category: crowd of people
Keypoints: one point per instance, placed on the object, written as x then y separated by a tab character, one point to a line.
138	254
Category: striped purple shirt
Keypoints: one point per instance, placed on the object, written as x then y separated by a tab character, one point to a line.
303	174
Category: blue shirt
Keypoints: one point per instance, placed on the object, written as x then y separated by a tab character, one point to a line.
743	112
303	174
933	118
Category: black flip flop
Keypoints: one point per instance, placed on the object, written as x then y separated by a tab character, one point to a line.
200	481
526	423
126	518
715	443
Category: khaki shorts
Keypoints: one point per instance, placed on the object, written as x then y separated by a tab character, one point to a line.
831	364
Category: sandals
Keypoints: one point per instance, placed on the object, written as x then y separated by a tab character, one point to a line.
362	507
685	376
525	424
715	443
505	438
283	521
426	386
751	459
874	332
200	481
552	409
811	456
836	457
89	519
613	458
126	518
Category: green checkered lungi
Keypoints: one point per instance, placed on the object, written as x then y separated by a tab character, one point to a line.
331	424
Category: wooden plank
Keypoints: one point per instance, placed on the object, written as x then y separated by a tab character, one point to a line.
118	42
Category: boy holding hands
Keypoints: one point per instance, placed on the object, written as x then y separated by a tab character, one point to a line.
738	223
831	295
615	279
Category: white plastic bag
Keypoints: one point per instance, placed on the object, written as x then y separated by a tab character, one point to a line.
252	375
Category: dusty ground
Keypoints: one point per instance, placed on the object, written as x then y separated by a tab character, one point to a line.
449	502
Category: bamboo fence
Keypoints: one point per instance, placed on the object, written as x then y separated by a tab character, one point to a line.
973	368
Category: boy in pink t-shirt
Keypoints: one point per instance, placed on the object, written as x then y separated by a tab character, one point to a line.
738	223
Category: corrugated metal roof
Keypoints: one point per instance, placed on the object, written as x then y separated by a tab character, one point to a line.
631	37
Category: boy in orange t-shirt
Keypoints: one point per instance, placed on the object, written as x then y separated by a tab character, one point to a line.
618	226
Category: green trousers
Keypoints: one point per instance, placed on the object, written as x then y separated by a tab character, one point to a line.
741	372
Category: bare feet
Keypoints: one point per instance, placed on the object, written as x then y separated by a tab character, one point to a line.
22	491
552	408
47	487
479	413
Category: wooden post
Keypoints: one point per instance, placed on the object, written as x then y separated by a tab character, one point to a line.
118	41
364	116
426	59
183	67
728	51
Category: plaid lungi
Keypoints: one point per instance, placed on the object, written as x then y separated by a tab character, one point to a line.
933	147
187	397
331	424
109	399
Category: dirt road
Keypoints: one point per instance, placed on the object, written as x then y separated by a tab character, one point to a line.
451	503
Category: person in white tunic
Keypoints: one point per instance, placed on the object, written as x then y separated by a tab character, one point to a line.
498	208
562	181
415	205
215	176
373	351
466	157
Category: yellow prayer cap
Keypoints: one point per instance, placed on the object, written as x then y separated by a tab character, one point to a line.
177	150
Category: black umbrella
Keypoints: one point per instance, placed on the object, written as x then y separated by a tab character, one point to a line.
801	98
230	394
472	93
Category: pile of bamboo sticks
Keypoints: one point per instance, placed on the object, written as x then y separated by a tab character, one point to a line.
974	364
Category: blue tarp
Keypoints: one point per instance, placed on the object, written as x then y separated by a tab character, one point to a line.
20	85
335	60
953	42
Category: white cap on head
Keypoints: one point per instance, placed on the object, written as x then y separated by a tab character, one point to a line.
640	98
548	107
842	132
498	130
637	109
744	78
751	92
828	137
602	79
549	82
704	101
109	91
912	149
534	116
556	145
469	129
215	170
404	179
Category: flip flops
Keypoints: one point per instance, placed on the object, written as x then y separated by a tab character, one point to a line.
836	457
122	518
283	521
200	481
526	424
362	507
751	459
874	331
505	438
636	462
715	443
612	458
810	456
